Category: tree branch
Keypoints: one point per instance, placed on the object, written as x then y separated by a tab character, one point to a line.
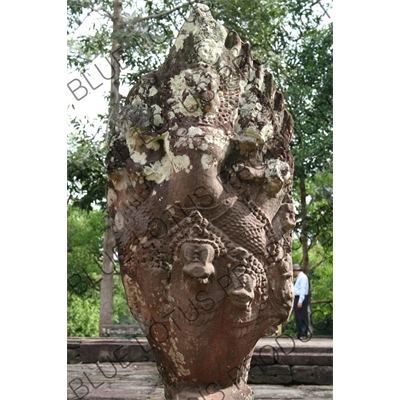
162	14
130	23
318	263
321	301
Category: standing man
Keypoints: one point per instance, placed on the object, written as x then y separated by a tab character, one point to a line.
301	302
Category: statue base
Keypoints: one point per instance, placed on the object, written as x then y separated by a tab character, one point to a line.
234	392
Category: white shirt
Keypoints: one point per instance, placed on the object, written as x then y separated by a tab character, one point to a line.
301	286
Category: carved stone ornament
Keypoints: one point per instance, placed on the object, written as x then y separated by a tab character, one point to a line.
199	192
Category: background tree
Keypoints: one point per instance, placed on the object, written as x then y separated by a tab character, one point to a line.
309	94
84	270
293	38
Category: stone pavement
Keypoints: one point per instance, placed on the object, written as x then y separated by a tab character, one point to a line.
124	379
140	381
102	372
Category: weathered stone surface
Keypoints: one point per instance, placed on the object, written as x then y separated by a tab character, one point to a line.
199	194
121	330
268	392
140	381
73	343
268	351
114	381
115	351
73	356
317	375
266	365
306	359
289	351
272	374
279	392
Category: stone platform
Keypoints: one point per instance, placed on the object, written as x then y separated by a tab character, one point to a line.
140	381
124	369
276	360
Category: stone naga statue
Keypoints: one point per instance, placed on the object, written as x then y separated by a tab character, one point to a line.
199	194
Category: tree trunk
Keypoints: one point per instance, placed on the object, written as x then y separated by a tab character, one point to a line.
106	287
304	224
115	68
106	290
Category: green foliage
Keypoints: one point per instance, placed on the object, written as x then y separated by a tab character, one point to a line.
86	174
84	48
321	279
84	263
321	288
320	212
82	315
144	40
276	30
120	309
321	322
320	218
321	273
84	241
310	98
83	270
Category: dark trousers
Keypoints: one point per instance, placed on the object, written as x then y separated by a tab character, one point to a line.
301	316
